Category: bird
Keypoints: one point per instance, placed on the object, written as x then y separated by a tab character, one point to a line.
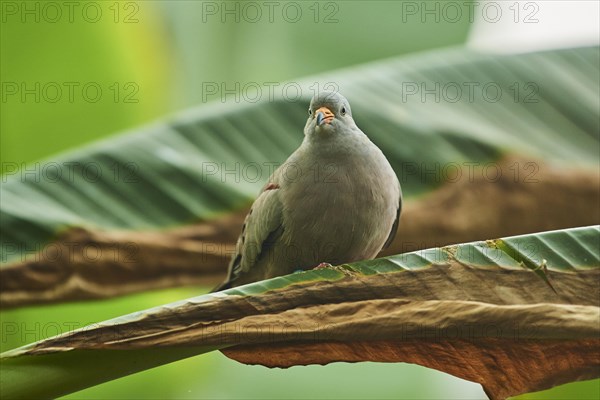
335	200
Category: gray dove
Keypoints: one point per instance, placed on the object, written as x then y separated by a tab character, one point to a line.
335	200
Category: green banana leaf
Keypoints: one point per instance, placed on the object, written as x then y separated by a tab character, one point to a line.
164	175
467	309
207	163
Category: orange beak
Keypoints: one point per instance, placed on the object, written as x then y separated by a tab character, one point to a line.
324	116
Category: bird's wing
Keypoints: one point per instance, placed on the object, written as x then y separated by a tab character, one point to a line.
262	228
392	234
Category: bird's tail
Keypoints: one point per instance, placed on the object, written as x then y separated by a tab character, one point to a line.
222	286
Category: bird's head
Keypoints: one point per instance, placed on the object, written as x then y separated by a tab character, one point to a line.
328	114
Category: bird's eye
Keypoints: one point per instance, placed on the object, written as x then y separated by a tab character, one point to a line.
309	111
343	110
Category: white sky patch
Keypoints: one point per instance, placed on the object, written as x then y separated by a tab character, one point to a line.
510	26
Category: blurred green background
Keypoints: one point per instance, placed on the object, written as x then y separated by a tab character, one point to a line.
73	75
160	56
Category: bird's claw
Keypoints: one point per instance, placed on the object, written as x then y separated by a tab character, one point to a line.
323	265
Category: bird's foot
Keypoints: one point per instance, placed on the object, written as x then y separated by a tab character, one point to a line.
323	265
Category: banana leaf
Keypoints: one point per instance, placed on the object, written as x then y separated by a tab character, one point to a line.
472	310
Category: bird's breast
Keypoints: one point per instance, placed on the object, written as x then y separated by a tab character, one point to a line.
342	211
